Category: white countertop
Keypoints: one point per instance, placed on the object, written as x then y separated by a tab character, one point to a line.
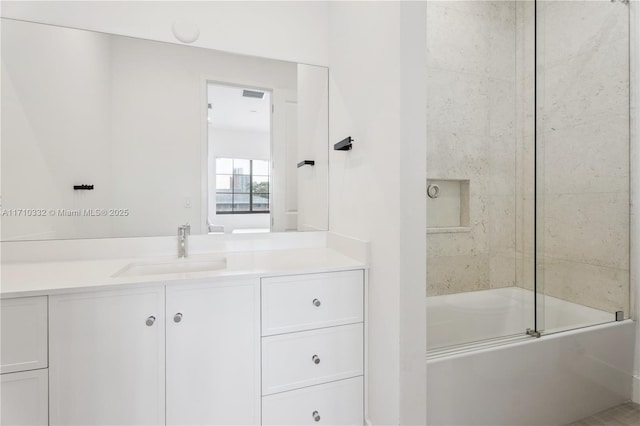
44	278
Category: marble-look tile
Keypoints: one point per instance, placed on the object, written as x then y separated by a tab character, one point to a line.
627	414
590	158
587	228
452	155
502	174
573	28
599	287
472	37
525	265
458	243
502	222
457	102
502	40
494	10
585	87
457	274
502	108
502	269
456	40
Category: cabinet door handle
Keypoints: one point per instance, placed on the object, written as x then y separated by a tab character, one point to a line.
315	359
315	416
177	317
316	303
151	320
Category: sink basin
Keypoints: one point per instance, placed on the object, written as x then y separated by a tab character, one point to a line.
176	266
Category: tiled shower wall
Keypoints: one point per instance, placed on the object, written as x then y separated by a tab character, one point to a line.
471	135
480	127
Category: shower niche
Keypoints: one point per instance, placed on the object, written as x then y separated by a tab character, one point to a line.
447	205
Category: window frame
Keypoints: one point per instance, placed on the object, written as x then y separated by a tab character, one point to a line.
251	193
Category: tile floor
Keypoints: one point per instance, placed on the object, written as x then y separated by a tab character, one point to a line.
622	415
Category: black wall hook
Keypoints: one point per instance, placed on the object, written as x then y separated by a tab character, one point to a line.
306	163
344	145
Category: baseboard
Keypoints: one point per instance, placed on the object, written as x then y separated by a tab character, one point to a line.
636	390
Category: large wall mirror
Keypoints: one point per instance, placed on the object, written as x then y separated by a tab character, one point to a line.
112	136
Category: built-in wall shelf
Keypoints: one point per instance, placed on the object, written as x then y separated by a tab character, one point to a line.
447	205
448	230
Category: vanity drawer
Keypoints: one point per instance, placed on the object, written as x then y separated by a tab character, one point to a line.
308	358
335	403
305	302
23	334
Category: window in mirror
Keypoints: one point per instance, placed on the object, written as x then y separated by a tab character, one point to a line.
242	186
240	158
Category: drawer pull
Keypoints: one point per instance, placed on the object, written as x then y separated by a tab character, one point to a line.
150	321
316	303
315	416
177	317
315	359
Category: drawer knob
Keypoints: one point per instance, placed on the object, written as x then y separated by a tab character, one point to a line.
150	321
315	359
316	303
315	416
177	317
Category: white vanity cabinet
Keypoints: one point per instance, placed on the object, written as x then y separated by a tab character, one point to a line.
313	349
23	361
277	350
107	357
108	349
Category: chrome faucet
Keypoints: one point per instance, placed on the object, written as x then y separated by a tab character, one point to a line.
183	240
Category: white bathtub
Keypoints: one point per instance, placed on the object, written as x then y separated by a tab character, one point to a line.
553	380
479	315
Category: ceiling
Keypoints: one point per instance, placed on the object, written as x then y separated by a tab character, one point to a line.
230	110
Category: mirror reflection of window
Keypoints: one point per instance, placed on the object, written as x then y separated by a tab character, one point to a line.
239	121
242	186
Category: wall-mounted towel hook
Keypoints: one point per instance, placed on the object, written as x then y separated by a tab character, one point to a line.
344	145
306	163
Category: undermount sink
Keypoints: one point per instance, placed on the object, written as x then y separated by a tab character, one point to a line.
175	266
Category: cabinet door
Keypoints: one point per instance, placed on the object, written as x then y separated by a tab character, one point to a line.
106	359
24	398
213	353
23	334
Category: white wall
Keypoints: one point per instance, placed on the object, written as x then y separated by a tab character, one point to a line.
377	189
289	30
240	143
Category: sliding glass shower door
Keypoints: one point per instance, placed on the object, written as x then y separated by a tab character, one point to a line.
527	168
582	143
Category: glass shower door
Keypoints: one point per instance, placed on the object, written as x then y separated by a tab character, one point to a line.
582	170
476	264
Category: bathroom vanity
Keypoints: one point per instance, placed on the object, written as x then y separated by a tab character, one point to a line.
274	337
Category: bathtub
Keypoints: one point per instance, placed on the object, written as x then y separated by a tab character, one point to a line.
483	370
